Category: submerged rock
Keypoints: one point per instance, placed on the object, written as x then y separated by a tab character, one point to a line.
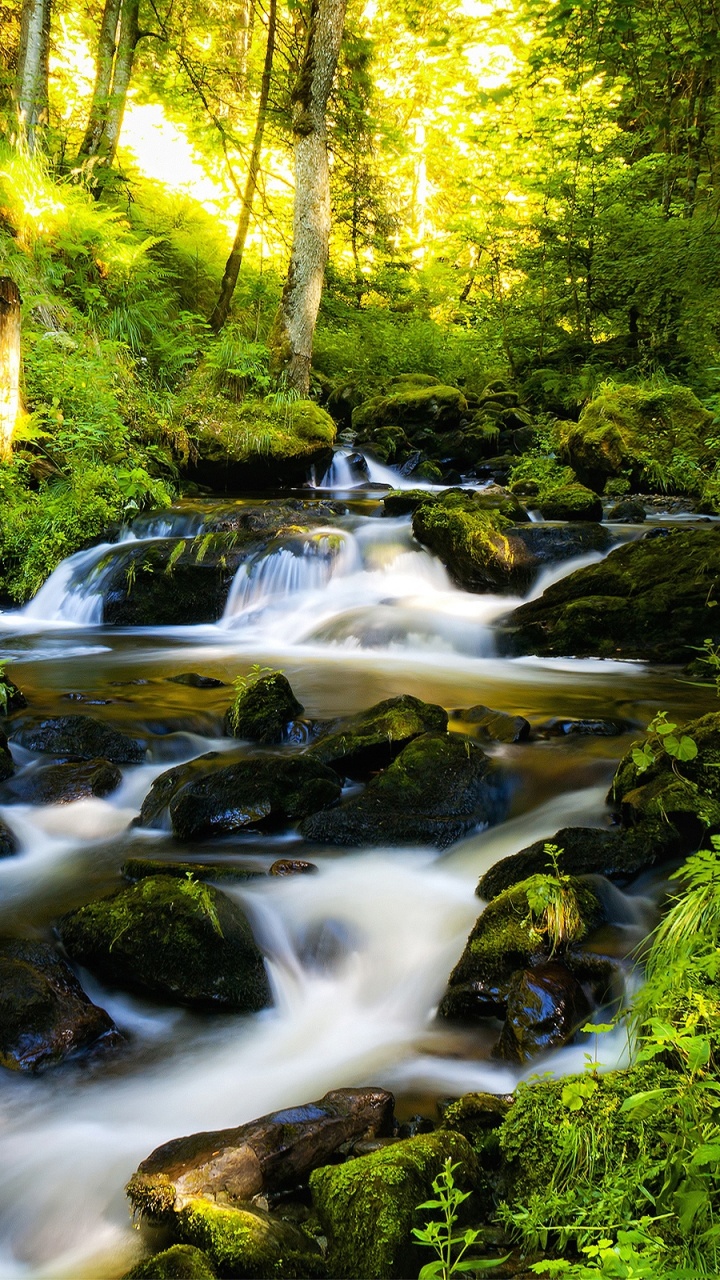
264	710
141	868
494	726
79	738
256	790
650	599
437	789
369	1206
45	1015
360	745
178	940
196	681
65	783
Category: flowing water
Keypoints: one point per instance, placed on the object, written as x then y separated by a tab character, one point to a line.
358	954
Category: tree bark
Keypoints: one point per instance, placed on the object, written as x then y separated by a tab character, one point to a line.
294	327
31	82
128	37
234	262
9	363
107	46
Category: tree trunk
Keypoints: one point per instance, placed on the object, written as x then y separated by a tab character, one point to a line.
107	45
294	326
9	363
128	37
31	82
234	262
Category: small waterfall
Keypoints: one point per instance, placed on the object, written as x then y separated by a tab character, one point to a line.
305	565
73	593
354	469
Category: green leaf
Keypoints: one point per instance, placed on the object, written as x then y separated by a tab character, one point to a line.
642	1105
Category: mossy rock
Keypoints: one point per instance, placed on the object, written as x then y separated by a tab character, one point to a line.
65	783
180	1262
79	738
570	502
368	1207
7	764
264	709
654	437
412	407
172	581
360	745
255	443
504	941
245	1241
437	789
652	599
474	543
684	793
177	940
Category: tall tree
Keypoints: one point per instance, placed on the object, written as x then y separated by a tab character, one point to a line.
9	363
105	62
31	84
117	43
294	327
234	262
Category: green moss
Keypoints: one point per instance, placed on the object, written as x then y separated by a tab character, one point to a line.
263	709
361	744
569	502
181	1262
411	406
248	1243
685	794
472	541
367	1207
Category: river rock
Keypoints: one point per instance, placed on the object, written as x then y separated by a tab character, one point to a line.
271	1154
628	511
12	699
8	841
153	812
177	940
259	789
65	783
570	502
565	727
360	745
292	867
179	1262
494	726
552	543
79	738
475	544
436	790
545	1007
7	764
172	581
584	851
369	1206
141	868
255	444
45	1015
649	599
196	681
264	710
244	1240
684	794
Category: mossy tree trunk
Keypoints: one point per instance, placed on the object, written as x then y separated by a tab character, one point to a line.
31	81
234	262
9	363
294	327
106	50
128	36
118	40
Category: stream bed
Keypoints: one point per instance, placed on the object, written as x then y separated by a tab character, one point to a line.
358	954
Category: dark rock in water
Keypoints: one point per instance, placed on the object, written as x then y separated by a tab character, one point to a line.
140	868
44	1013
494	726
180	1262
7	765
264	711
368	1207
196	681
175	939
545	1007
79	738
12	699
402	502
8	842
258	789
170	582
628	511
549	543
437	789
583	851
415	1125
360	745
684	795
271	1154
65	783
559	727
292	867
570	502
472	538
622	607
154	806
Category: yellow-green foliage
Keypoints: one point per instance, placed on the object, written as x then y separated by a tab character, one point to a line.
222	429
245	1241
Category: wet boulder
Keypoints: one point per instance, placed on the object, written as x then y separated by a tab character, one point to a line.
264	710
140	868
79	738
179	1262
8	841
570	502
684	795
437	789
628	511
550	544
45	1015
258	790
245	1240
359	745
65	783
368	1207
196	681
153	812
292	867
476	544
545	1006
413	407
650	599
173	581
12	699
494	726
7	764
639	433
583	851
178	940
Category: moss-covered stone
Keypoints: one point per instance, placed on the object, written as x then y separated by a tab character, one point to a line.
412	407
80	738
685	794
249	1243
140	868
368	1206
180	1262
655	437
261	789
437	789
570	502
474	543
263	711
651	599
65	783
360	745
493	726
180	940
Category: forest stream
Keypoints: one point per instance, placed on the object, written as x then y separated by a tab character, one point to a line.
358	954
